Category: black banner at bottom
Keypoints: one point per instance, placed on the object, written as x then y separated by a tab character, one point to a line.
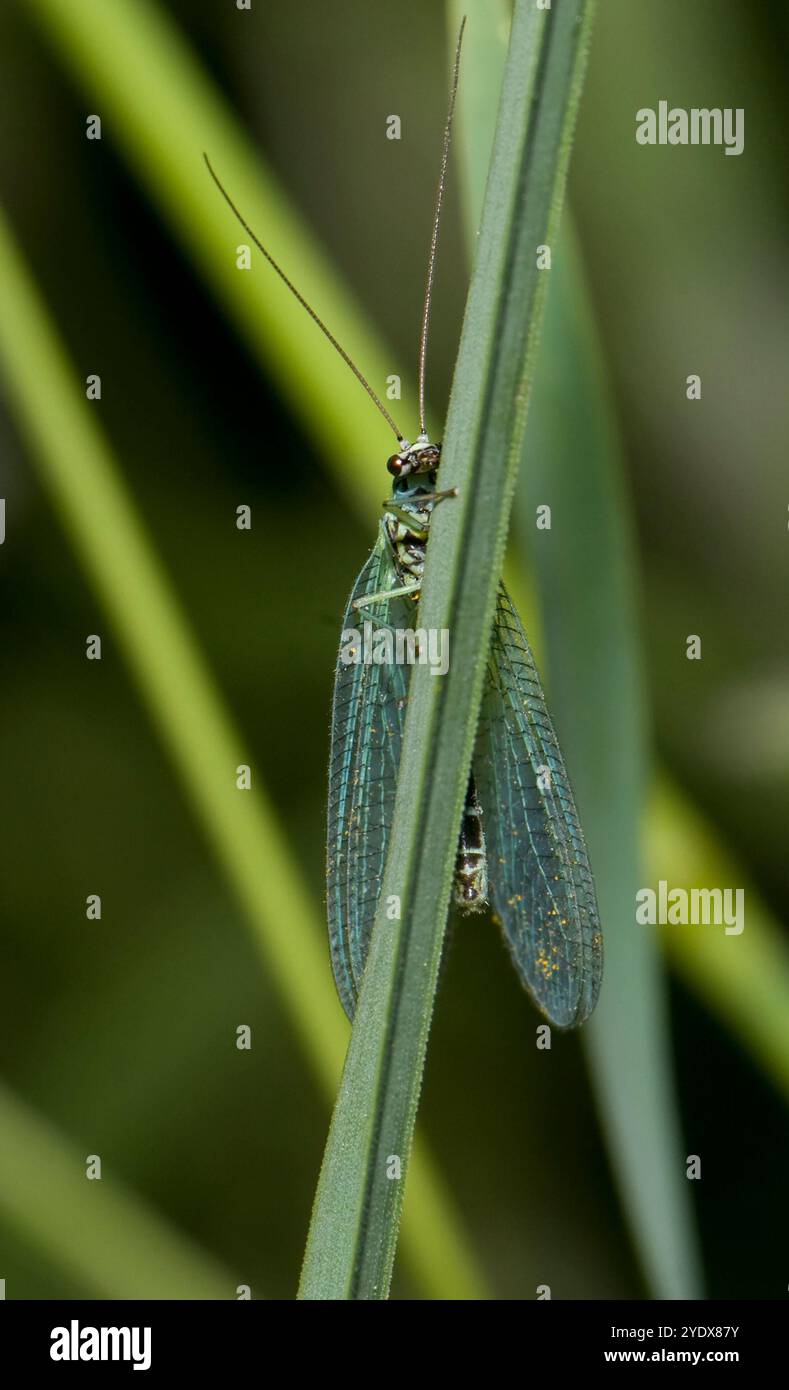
160	1339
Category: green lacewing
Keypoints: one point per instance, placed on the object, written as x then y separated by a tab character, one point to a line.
521	850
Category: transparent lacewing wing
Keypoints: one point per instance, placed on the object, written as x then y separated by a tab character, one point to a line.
520	846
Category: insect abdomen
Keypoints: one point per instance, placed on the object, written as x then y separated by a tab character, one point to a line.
471	866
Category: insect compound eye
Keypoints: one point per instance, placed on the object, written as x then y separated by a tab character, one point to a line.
395	465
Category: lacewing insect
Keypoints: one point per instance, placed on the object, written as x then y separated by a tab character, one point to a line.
521	850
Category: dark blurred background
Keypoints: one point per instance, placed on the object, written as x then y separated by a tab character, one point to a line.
122	1035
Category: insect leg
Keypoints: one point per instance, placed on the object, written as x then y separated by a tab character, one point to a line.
385	594
407	520
379	623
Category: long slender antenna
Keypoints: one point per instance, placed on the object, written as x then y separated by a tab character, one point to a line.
431	264
315	317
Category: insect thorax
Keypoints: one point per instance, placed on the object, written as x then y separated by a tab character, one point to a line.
408	546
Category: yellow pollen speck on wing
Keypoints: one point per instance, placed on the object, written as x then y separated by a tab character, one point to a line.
544	965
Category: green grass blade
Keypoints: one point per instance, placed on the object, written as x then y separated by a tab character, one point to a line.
354	1228
102	1235
112	545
